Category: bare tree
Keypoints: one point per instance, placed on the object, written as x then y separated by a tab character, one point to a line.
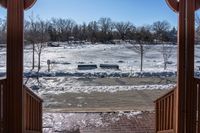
3	27
197	34
42	39
142	38
123	29
93	30
31	35
106	27
161	31
62	28
166	52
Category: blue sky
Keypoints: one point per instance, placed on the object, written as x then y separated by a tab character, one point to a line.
139	12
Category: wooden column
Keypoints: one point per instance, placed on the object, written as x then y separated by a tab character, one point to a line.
186	93
13	112
187	98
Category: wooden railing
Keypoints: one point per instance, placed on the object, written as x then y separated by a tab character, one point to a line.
2	86
198	104
165	108
33	110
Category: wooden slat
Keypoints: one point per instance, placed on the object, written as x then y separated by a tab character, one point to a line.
166	131
29	131
164	112
167	115
33	112
172	112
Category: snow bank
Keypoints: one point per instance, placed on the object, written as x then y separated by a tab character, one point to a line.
60	85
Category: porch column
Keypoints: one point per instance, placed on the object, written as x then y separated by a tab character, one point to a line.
13	113
186	102
14	108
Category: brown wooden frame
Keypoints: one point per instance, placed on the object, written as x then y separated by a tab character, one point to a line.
14	99
186	92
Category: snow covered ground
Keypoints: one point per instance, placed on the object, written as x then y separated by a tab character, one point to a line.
66	58
63	85
65	80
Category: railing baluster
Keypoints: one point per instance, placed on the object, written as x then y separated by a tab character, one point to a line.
33	112
33	109
164	113
2	87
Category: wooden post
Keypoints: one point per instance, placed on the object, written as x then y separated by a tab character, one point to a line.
186	89
13	112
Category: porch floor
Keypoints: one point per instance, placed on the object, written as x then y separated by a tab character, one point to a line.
116	122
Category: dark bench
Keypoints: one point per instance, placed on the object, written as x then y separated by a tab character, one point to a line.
109	66
87	67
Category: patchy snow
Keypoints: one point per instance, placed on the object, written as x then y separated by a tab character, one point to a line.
63	122
59	86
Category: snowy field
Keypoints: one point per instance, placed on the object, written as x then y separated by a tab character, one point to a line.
71	89
66	58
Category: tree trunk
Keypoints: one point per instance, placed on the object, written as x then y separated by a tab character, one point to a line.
142	54
33	57
165	65
39	61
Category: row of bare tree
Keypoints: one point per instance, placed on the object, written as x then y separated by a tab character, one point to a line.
104	30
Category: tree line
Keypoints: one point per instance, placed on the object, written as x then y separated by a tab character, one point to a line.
102	31
38	32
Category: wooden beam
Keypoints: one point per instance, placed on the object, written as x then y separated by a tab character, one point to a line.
14	98
191	87
173	4
3	3
27	3
186	92
197	5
